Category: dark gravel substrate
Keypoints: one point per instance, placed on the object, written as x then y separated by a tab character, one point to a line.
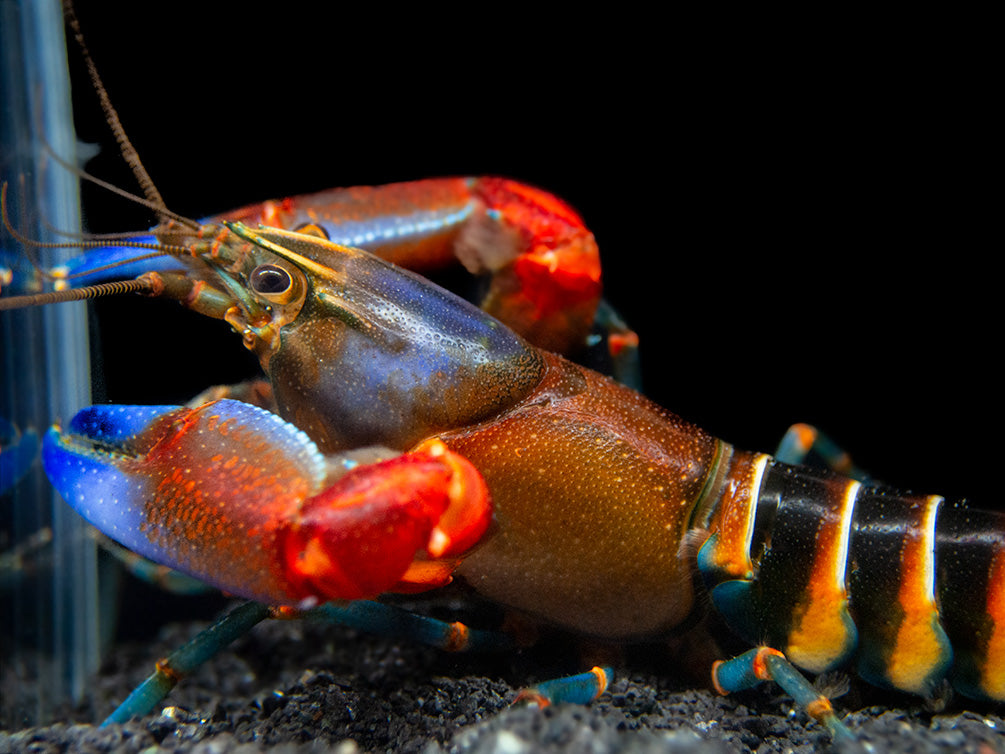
296	687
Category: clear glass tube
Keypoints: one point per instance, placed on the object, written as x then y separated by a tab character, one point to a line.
49	624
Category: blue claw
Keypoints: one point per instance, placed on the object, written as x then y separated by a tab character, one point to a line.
17	453
111	263
92	465
101	265
180	486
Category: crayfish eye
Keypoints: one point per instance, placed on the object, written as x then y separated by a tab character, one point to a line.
270	280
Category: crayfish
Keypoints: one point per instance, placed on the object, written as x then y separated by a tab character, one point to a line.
604	506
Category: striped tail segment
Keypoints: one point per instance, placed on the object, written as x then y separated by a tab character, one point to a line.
909	588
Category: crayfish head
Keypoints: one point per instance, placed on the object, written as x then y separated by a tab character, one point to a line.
360	351
246	277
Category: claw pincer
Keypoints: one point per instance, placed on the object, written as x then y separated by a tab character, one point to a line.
227	484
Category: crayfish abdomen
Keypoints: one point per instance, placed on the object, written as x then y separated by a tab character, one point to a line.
907	588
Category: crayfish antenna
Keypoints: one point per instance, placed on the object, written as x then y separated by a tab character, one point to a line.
139	285
162	211
129	152
144	284
153	199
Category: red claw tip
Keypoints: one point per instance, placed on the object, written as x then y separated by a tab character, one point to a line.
469	511
373	530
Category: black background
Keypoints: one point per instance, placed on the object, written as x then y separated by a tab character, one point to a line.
793	225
